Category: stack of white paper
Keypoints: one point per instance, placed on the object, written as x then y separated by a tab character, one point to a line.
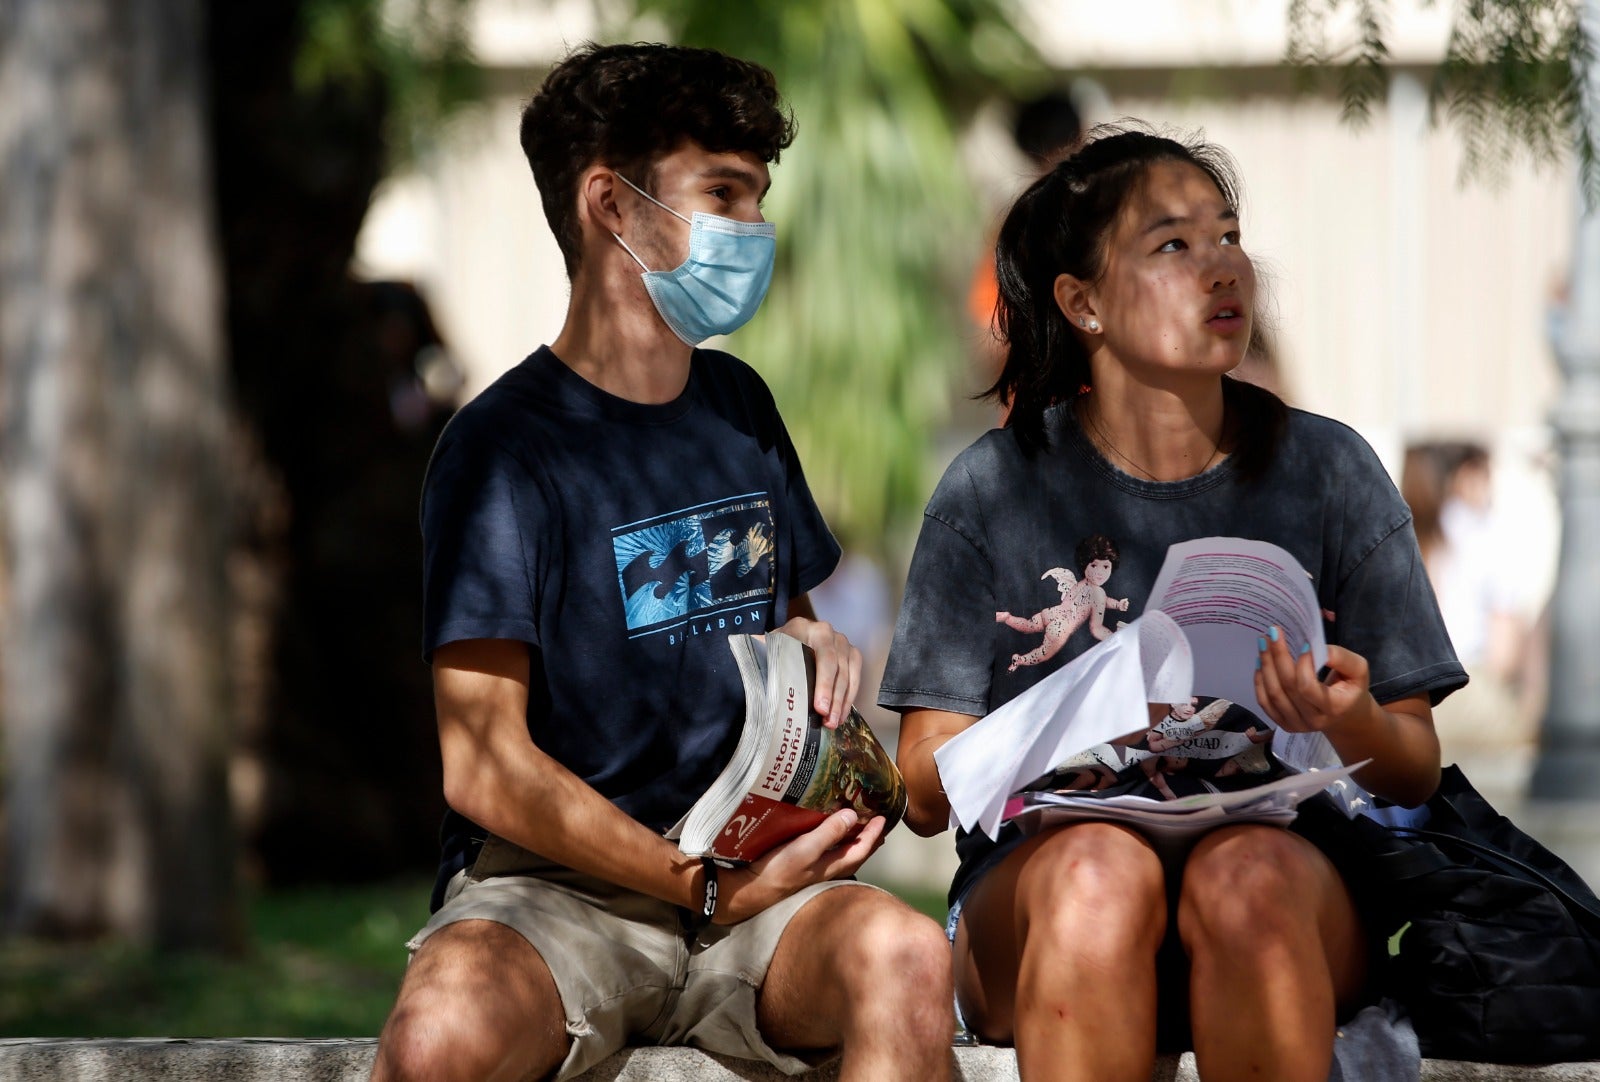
1181	819
1213	599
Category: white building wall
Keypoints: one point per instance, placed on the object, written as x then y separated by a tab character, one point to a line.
1080	34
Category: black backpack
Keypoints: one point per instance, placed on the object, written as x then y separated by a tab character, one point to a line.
1493	941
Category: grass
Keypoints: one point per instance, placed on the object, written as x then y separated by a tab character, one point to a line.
323	962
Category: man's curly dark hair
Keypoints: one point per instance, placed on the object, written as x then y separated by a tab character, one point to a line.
630	105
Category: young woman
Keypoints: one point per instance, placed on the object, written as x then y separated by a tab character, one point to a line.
1126	297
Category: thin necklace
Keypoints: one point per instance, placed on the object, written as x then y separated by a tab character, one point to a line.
1084	413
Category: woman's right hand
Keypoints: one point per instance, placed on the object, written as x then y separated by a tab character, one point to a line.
1397	736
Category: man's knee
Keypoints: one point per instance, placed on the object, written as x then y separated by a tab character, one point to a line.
895	962
476	1001
858	967
425	1039
892	943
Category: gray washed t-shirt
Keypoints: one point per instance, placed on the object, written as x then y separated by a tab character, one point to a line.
1068	546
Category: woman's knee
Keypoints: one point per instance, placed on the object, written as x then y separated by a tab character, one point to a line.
1094	876
1249	883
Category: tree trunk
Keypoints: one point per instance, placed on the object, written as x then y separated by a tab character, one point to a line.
345	735
113	668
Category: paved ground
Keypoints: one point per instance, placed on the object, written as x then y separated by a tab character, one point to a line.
349	1061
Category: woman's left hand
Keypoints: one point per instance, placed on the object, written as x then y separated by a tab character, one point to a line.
1287	686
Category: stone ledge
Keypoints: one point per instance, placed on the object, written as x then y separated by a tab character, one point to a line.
284	1060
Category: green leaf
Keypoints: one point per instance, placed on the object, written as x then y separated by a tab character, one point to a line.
415	53
1513	80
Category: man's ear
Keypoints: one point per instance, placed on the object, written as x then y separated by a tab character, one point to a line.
1076	301
597	199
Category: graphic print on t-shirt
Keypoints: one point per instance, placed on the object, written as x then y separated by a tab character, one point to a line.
695	562
1082	600
1204	745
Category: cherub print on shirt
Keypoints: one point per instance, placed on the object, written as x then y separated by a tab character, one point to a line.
695	563
1082	601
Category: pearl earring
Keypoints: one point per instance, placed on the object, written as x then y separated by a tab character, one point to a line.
1094	325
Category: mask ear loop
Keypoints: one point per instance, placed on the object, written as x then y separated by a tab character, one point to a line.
630	251
642	265
653	199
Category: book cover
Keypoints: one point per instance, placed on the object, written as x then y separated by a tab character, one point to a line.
789	771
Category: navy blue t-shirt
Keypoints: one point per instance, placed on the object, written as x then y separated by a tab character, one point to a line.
623	543
1011	533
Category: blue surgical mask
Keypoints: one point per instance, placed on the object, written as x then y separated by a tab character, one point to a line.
722	282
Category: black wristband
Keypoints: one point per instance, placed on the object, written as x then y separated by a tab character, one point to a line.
695	920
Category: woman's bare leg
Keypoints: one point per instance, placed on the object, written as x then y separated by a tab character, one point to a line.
1056	954
1275	946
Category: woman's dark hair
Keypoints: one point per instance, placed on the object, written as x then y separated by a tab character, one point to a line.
630	105
1061	225
1047	125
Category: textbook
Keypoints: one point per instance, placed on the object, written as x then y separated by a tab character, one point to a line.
789	772
1158	724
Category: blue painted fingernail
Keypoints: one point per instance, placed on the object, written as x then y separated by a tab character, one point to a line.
1306	649
1261	644
1258	660
1272	633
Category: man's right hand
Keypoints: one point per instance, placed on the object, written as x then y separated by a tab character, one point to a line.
834	849
496	777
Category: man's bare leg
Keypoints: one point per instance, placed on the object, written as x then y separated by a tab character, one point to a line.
477	1003
859	969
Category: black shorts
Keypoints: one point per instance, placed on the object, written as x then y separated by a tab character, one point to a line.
1323	824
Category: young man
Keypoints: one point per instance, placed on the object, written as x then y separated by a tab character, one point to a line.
596	524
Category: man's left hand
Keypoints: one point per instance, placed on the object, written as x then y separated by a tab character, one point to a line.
838	667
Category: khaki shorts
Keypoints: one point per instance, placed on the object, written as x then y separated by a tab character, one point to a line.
621	962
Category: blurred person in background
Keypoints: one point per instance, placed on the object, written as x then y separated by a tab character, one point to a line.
1045	129
423	380
1471	558
596	524
858	601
